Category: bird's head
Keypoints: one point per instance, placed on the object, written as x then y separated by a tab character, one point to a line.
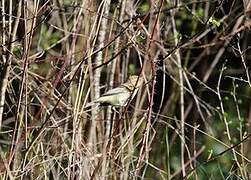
134	82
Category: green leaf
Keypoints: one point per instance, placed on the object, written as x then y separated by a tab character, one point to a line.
214	22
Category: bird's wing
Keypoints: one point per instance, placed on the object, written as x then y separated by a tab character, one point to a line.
115	91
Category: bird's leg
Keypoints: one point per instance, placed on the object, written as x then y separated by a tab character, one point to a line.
115	110
114	117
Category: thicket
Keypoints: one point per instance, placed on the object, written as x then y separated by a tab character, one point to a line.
189	120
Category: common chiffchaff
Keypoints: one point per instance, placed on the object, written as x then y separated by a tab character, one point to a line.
122	94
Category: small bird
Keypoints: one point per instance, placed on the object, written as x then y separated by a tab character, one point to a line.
121	95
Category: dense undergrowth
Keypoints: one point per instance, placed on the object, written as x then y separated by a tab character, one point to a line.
189	120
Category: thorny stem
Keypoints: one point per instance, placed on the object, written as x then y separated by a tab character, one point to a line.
144	146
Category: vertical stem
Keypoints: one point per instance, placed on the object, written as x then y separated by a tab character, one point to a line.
225	118
182	109
5	70
144	150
